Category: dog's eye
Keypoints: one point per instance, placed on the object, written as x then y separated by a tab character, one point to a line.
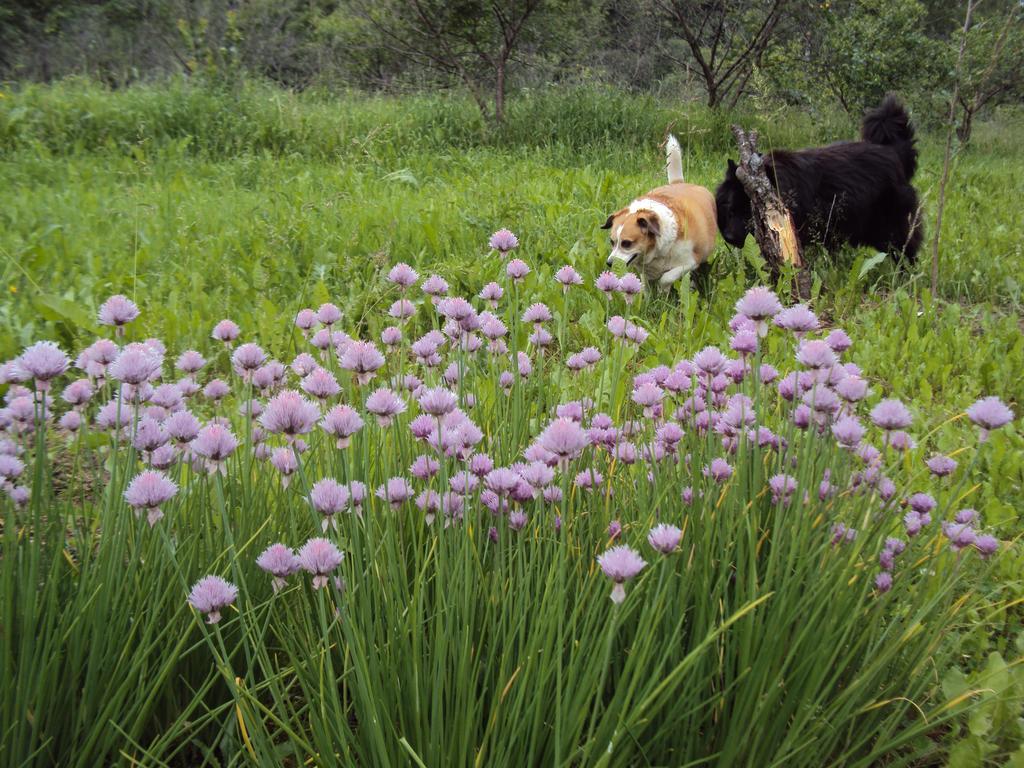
627	243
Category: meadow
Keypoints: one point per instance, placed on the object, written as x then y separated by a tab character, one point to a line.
760	638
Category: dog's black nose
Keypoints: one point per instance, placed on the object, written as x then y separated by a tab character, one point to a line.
608	261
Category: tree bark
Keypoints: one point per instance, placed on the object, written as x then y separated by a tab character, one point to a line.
773	225
949	147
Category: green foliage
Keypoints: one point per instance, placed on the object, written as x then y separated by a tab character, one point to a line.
251	203
870	47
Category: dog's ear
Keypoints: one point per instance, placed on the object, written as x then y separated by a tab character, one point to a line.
730	170
651	225
611	217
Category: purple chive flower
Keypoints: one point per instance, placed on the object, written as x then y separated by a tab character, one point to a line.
321	384
941	466
216	390
78	392
501	480
134	365
620	564
246	359
148	490
848	432
44	361
517	520
883	582
630	286
841	533
719	470
435	286
635	334
989	413
71	421
385	405
11	467
403	275
614	530
607	282
816	354
305	319
568	276
189	361
966	516
401	309
839	341
536	314
396	491
182	426
149	435
922	503
328	314
588	479
564	438
492	293
284	461
901	441
710	361
319	557
767	373
226	331
782	487
759	304
289	413
328	497
210	595
852	389
167	396
215	443
648	396
503	241
665	538
744	342
118	311
913	522
986	546
960	535
363	359
424	467
891	414
437	401
280	562
798	319
517	269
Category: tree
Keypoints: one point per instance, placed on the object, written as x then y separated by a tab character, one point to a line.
726	39
476	42
992	71
862	49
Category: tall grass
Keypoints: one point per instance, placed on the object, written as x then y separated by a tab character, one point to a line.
455	638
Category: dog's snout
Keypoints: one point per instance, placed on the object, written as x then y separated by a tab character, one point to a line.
608	261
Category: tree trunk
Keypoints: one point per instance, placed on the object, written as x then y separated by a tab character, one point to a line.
947	162
499	93
963	131
773	226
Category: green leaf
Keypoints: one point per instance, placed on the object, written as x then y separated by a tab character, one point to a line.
60	309
870	263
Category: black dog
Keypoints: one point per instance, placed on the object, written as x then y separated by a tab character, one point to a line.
853	191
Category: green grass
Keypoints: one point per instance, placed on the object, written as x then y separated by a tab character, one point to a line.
202	204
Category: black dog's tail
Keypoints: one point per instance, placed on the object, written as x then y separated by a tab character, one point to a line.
889	124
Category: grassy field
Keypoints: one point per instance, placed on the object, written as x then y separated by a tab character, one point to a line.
201	205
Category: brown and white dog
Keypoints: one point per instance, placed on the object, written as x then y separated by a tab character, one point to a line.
670	231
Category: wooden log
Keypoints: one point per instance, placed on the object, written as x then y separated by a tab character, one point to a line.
773	225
